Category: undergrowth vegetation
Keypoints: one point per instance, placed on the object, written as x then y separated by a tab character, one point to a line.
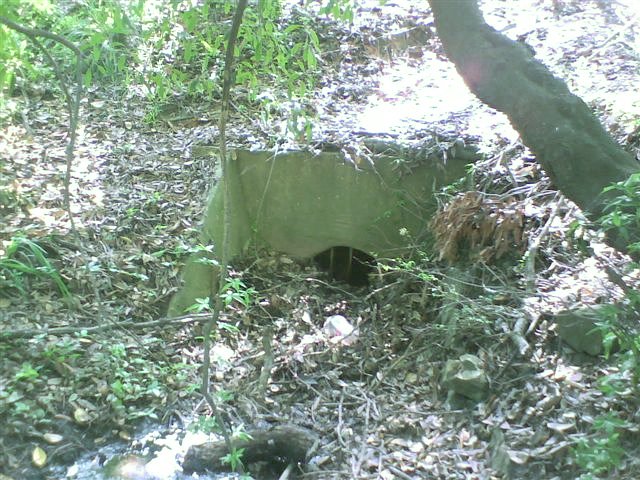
461	294
604	452
164	53
23	260
171	51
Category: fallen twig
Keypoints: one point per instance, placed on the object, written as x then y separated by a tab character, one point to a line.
128	324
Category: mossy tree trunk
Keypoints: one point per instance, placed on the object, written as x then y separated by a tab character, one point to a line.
571	145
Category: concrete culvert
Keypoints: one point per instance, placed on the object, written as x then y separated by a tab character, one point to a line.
347	264
301	203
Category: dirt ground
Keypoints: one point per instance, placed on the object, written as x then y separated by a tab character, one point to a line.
83	370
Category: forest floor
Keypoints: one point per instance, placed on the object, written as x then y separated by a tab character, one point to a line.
95	365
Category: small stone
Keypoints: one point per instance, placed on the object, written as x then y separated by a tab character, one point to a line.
580	329
466	377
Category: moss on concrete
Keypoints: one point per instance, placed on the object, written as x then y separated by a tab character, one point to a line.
302	204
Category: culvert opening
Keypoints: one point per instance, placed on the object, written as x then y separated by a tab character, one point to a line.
347	264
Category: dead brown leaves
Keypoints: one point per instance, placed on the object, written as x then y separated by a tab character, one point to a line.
475	225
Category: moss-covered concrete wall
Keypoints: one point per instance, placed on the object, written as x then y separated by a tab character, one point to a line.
300	203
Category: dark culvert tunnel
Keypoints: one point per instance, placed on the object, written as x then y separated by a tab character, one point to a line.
347	264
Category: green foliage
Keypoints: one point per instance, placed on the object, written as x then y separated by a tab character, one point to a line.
134	384
300	125
201	305
415	268
63	349
236	291
15	397
289	54
619	383
26	372
601	454
234	459
23	259
224	396
102	30
622	213
136	381
271	57
29	409
624	380
16	54
204	424
210	425
408	267
622	217
339	9
175	51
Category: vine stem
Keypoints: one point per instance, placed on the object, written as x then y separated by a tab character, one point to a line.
228	81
